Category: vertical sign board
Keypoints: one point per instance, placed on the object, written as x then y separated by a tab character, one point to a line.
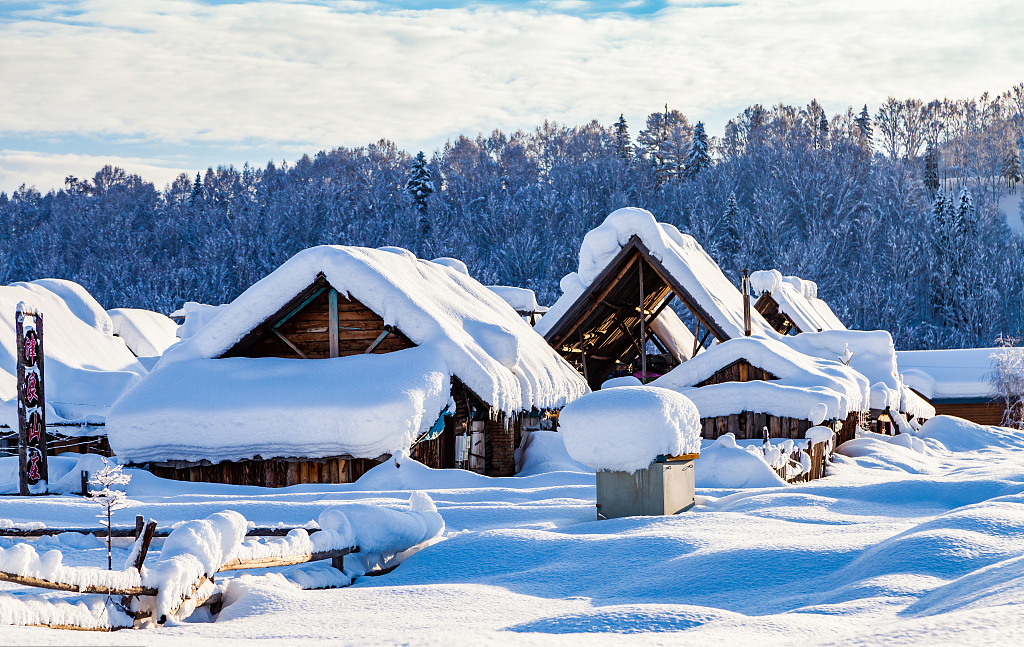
31	410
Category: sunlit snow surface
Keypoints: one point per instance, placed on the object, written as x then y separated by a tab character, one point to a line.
895	546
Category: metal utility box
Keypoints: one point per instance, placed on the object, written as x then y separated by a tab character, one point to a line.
665	487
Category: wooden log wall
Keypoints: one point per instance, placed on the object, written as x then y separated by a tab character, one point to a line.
500	443
273	473
739	371
60	444
749	426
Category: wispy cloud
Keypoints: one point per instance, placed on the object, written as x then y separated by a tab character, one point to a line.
262	79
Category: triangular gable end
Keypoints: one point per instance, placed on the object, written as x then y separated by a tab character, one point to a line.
602	327
769	309
303	328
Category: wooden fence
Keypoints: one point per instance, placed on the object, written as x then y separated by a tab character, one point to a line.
144	535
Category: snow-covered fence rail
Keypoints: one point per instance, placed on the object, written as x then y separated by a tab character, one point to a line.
182	577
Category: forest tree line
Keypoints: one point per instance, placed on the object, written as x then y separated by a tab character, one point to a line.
893	212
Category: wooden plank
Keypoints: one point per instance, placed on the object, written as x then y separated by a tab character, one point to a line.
73	588
332	325
290	344
147	537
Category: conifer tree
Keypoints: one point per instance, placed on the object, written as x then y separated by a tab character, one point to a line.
823	130
197	191
699	158
966	216
420	187
623	147
863	122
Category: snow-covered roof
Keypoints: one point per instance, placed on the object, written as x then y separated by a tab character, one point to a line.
484	343
238	408
673	333
86	367
682	257
521	299
804	382
146	333
797	299
948	374
873	354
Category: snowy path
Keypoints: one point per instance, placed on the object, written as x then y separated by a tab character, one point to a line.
894	546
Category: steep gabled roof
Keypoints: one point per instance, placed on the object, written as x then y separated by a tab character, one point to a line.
599	308
484	343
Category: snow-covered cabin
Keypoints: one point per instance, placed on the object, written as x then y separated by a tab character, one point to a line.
791	304
338	359
631	258
957	382
596	323
87	368
746	384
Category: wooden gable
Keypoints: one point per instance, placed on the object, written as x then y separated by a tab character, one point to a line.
302	329
739	371
769	309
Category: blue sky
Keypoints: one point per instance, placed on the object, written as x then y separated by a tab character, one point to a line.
161	86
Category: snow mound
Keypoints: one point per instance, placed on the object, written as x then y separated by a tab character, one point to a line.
959	435
238	408
544	452
87	368
197	315
521	299
146	333
452	263
724	464
625	380
88	612
627	428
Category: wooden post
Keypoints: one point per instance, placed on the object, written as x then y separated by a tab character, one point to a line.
696	340
583	356
147	537
332	330
746	303
31	403
643	328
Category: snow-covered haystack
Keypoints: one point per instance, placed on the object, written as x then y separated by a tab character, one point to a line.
680	255
805	383
87	368
625	429
195	406
146	333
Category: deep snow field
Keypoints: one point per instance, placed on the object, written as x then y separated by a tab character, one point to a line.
896	545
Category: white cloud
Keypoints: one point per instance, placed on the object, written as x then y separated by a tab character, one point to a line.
48	171
304	76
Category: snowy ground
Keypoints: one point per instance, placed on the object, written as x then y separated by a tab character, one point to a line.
893	547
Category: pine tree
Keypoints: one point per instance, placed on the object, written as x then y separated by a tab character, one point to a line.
940	221
197	191
931	170
823	130
863	122
419	186
699	158
623	146
966	215
731	226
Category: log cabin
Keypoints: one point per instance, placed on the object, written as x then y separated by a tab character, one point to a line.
336	361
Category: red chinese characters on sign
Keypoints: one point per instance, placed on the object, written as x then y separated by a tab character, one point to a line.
35	427
31	348
33	466
31	389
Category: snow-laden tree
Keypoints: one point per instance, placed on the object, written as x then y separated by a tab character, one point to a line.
664	143
864	127
623	145
420	186
110	500
699	158
930	178
1007	380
